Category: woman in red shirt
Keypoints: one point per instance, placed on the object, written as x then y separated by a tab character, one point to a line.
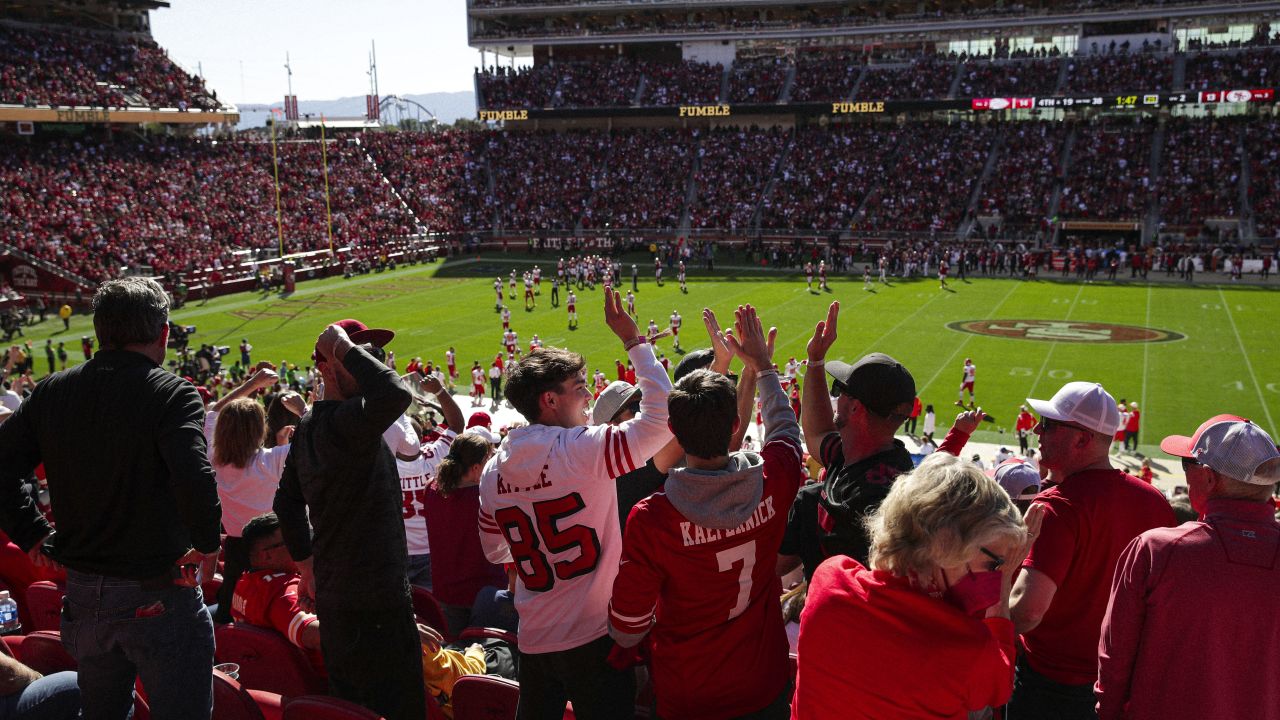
929	623
459	569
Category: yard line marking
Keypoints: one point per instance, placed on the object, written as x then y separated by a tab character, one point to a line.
894	329
967	338
1239	340
1146	350
1054	344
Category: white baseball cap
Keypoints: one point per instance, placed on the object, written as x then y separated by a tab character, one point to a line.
612	400
1232	446
1083	403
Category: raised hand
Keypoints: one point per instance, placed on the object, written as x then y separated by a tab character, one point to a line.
431	384
719	345
749	341
824	335
967	421
616	317
329	342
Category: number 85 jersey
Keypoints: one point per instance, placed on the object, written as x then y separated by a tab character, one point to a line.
549	504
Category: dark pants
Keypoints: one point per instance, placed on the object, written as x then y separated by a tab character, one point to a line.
598	692
910	428
118	631
495	389
1036	697
235	561
1131	440
555	296
374	659
1022	442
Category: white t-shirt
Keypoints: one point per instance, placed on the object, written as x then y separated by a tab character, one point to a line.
403	441
246	492
11	400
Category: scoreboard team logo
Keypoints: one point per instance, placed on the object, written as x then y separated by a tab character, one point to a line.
1065	331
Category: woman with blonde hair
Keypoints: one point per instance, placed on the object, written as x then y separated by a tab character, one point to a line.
459	569
925	631
247	472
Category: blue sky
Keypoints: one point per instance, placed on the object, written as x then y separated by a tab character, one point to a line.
241	45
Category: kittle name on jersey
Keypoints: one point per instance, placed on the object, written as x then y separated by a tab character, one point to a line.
505	488
697	535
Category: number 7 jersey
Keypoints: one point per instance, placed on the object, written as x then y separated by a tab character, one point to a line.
549	504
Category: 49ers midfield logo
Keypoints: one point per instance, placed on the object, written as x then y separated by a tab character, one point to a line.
1065	331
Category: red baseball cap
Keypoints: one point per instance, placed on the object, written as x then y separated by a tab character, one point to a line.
359	333
479	418
1183	446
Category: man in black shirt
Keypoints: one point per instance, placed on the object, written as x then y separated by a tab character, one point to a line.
856	445
130	483
340	469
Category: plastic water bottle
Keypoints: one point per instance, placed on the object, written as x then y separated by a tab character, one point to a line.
9	622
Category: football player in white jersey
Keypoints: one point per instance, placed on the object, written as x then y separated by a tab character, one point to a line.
675	327
967	382
549	505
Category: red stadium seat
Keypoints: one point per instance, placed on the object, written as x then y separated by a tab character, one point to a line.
267	661
209	588
231	701
44	599
320	707
271	704
42	651
485	697
428	612
479	633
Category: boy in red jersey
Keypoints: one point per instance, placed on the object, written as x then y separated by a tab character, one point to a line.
700	555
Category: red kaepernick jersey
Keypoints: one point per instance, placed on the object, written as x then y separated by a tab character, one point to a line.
270	599
719	644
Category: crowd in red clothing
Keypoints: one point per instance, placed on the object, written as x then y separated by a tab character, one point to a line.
1264	169
95	206
77	68
1109	173
730	175
440	176
1201	173
1029	164
826	175
757	80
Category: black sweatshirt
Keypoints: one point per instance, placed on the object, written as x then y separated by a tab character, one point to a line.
122	442
341	470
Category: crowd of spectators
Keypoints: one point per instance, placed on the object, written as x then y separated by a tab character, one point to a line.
924	78
733	168
645	180
1120	71
826	174
1201	174
1030	163
1109	173
684	83
440	175
929	187
97	205
1264	175
1004	78
757	80
544	178
68	67
825	74
1254	68
828	74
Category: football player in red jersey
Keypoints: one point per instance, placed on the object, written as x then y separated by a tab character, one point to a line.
699	557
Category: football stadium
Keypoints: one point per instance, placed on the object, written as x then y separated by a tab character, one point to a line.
732	360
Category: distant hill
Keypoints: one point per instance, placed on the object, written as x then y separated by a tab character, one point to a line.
447	107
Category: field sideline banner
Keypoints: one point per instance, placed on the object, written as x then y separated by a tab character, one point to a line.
1129	100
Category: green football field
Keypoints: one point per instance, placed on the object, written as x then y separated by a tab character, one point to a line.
1215	349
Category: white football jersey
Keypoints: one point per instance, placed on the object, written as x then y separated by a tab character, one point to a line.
549	504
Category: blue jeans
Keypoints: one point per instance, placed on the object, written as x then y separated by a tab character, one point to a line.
52	697
420	571
118	631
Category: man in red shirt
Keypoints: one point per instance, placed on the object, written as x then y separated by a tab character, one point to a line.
1090	516
268	596
1167	598
1131	425
1023	426
699	556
